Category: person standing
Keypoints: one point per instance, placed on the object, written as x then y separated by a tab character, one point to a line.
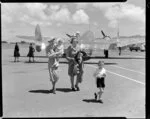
31	52
53	52
16	53
70	54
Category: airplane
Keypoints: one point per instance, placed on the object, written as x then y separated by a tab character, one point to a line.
120	42
87	42
40	42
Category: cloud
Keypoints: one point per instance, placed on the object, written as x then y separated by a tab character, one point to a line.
80	17
58	24
95	23
115	11
9	12
41	23
36	10
6	18
103	6
32	21
82	5
44	14
54	7
24	12
62	15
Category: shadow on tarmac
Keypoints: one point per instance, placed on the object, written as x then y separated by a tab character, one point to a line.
96	63
90	100
67	62
14	62
30	62
66	90
40	91
99	57
117	58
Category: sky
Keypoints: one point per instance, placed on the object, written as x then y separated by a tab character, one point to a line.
57	19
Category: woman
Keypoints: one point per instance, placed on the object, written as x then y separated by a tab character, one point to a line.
16	53
31	52
53	62
70	54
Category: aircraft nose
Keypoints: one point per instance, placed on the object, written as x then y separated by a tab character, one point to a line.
38	48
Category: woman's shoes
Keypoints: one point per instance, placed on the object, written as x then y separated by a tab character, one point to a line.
73	89
78	89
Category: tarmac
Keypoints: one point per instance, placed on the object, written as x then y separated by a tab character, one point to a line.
25	87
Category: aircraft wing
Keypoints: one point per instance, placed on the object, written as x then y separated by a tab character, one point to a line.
32	37
70	36
129	41
26	37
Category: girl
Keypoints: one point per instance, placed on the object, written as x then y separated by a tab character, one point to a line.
100	75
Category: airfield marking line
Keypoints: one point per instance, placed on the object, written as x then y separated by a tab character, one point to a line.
129	69
121	76
141	56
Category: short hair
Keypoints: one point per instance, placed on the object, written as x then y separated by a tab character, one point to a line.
60	40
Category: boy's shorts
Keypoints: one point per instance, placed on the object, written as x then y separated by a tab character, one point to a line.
100	82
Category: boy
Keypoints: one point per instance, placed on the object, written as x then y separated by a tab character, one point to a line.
100	75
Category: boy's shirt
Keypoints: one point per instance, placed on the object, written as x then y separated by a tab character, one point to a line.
99	73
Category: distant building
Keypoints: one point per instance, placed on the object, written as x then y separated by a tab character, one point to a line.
4	42
23	42
13	42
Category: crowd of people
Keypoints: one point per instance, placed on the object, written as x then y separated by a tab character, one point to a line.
75	57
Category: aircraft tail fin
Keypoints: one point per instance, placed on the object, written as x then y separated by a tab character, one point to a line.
103	33
69	35
38	35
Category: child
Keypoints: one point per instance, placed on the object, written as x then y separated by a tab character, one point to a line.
59	48
78	60
78	68
100	75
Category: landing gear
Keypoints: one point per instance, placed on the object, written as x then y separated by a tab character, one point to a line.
119	50
106	53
